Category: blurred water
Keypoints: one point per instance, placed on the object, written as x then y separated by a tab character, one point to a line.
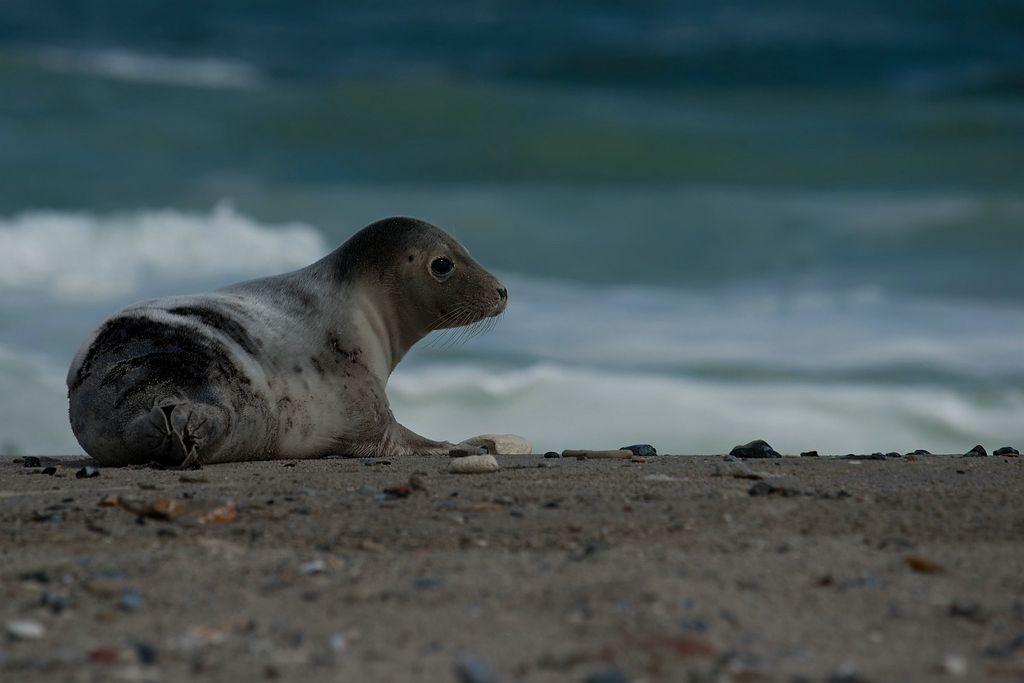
717	222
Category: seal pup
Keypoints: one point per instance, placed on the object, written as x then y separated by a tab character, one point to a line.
290	366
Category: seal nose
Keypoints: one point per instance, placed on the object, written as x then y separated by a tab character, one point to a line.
503	293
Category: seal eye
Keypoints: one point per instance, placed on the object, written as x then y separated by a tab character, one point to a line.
441	267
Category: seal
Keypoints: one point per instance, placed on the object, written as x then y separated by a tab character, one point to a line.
290	366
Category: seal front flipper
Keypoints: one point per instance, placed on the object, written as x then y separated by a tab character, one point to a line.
177	432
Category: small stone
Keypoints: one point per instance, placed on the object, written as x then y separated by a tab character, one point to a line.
552	455
25	629
501	444
87	472
893	454
48	471
473	464
977	452
873	456
147	654
587	454
1006	451
641	449
32	461
755	449
475	670
426	582
920	451
607	676
131	600
312	567
809	454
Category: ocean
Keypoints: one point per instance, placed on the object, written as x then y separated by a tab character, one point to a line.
717	221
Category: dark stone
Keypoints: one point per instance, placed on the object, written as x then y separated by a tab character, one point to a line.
920	451
32	461
809	454
641	449
87	472
147	654
977	452
893	454
475	670
49	470
763	488
426	582
1006	450
552	454
873	456
606	676
755	449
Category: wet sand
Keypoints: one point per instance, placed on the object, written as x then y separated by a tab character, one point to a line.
548	570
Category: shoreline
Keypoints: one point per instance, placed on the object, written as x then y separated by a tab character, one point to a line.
670	568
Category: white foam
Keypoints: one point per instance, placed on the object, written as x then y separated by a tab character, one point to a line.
132	66
85	257
558	407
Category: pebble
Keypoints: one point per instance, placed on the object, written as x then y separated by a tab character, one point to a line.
552	454
607	676
809	454
25	629
757	448
1006	450
312	567
49	471
33	461
977	452
501	444
473	464
763	488
131	600
475	670
147	654
641	449
87	472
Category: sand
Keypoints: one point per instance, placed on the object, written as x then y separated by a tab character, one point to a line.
548	570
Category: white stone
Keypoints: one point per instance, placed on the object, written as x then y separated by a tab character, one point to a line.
501	444
23	629
473	464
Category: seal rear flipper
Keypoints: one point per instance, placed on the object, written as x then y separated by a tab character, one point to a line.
176	432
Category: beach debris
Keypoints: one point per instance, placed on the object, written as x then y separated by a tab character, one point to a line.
312	567
399	491
1008	451
976	452
472	669
25	629
607	676
501	444
923	565
32	461
763	488
809	454
473	464
552	455
50	471
220	515
87	472
573	453
641	449
758	448
130	600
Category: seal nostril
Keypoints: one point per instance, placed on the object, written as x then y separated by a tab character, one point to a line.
502	292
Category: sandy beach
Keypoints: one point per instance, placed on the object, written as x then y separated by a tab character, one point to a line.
675	569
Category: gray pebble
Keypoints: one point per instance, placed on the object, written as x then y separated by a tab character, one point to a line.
475	670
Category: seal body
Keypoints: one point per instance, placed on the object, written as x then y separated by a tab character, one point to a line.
290	366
